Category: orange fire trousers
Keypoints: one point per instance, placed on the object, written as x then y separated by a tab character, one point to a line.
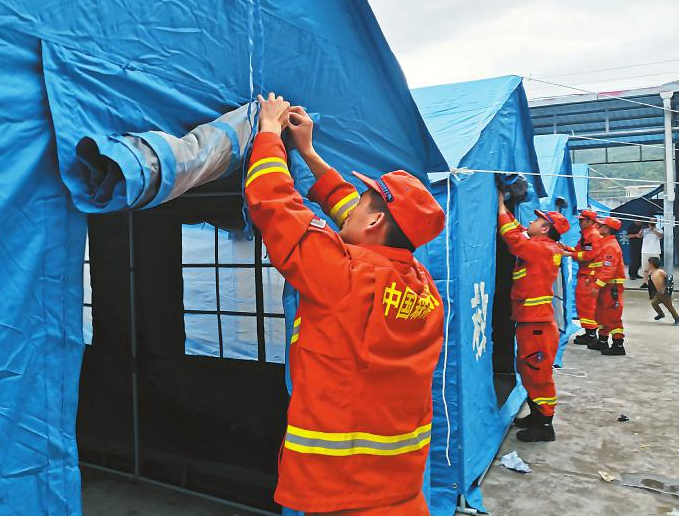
537	344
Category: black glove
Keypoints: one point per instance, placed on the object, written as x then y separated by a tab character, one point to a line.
513	186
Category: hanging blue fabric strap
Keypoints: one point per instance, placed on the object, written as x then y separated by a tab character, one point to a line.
256	60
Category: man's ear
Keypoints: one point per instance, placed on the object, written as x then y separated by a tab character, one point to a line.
376	219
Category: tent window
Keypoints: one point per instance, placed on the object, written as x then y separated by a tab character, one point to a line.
87	298
232	296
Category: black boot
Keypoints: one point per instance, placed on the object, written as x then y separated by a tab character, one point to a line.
531	420
617	349
600	344
543	431
586	338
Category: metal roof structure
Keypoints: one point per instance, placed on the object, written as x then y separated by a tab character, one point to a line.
631	116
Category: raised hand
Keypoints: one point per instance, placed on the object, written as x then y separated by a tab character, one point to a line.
274	113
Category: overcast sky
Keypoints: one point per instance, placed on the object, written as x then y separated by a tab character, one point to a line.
443	41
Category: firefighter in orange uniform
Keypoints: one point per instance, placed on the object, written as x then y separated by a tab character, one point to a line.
537	336
368	331
585	253
609	286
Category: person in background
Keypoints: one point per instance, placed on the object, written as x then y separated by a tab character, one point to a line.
659	291
538	261
650	247
634	236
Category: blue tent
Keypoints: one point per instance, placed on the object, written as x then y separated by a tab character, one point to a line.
112	71
556	172
481	125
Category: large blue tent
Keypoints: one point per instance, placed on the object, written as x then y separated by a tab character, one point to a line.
105	69
482	125
557	175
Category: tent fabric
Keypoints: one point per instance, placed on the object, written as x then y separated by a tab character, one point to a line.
142	170
77	69
467	119
477	125
580	172
556	169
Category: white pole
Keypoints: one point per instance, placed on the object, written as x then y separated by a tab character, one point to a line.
668	237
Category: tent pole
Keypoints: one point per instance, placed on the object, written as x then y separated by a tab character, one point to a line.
133	347
462	506
668	237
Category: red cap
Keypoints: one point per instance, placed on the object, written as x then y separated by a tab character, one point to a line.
558	221
414	209
611	222
588	214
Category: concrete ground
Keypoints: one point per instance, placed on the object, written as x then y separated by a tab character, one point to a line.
644	385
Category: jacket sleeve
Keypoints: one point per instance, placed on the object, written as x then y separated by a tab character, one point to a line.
519	245
336	196
308	254
583	255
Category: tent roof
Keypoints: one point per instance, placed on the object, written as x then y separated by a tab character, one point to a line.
131	66
552	152
456	114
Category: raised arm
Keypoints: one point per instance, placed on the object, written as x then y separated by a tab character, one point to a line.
309	255
336	196
513	234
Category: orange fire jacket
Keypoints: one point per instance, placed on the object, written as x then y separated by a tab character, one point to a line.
366	340
537	266
587	251
612	269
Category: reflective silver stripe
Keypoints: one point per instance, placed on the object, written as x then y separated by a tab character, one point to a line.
263	166
295	330
356	443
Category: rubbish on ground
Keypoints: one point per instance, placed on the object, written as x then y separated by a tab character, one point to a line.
651	482
514	462
623	418
606	476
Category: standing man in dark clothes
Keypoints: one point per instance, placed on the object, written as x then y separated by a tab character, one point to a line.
635	238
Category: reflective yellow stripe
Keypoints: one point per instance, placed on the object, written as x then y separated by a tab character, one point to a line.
356	450
580	255
594	265
556	259
265	161
295	330
615	331
600	283
342	202
261	173
266	166
521	273
587	321
534	301
347	436
545	401
354	443
616	281
508	226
